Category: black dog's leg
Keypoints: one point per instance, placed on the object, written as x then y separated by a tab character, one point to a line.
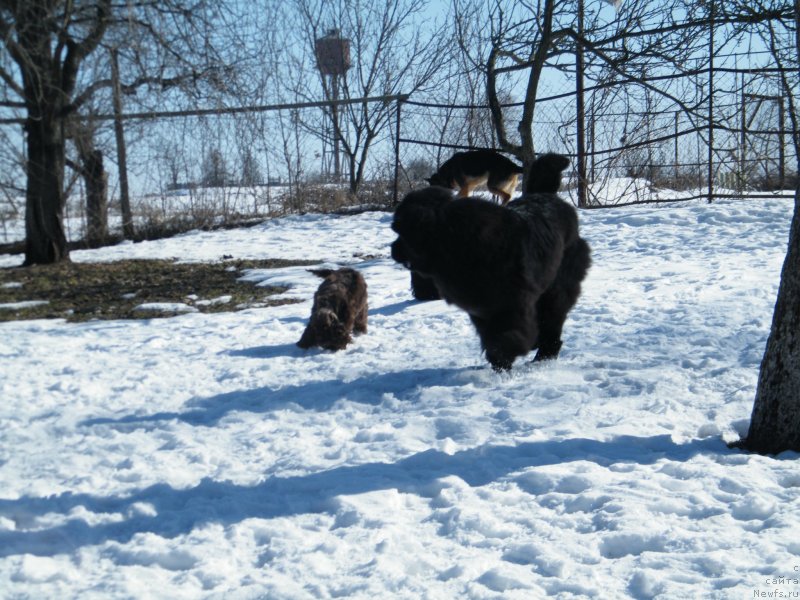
551	312
549	347
556	302
505	338
423	288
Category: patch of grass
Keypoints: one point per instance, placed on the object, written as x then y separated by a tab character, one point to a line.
84	291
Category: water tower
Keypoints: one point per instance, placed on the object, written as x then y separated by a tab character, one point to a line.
333	58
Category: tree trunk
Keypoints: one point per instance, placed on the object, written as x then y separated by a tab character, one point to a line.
526	150
96	180
353	174
45	241
775	423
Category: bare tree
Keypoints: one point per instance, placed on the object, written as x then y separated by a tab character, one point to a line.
775	422
215	169
48	41
90	166
520	40
46	44
627	43
250	170
390	54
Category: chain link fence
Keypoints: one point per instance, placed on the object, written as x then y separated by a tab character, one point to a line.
715	131
712	133
264	160
210	168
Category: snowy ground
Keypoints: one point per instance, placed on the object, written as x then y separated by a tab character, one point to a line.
205	456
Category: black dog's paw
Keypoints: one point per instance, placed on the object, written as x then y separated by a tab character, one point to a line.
500	361
548	351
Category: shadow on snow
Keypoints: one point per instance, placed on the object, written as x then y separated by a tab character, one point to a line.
176	512
315	395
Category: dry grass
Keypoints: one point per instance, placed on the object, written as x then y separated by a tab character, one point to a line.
84	291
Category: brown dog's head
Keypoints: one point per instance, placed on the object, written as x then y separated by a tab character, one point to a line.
326	331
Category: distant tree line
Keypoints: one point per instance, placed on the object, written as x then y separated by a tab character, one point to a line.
62	62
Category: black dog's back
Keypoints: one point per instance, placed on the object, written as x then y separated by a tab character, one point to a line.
540	203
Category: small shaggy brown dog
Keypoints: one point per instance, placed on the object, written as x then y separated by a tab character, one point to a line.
340	307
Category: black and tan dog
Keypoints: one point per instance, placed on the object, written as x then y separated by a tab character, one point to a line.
340	307
464	171
516	270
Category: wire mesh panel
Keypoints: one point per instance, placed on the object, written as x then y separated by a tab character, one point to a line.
211	167
682	128
708	133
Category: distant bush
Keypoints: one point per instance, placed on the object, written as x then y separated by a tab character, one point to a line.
331	198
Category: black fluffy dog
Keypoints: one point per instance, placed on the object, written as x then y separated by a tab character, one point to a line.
516	270
340	307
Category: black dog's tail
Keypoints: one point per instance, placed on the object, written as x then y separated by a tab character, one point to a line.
577	259
321	272
545	174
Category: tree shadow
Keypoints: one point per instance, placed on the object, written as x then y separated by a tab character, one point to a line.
171	512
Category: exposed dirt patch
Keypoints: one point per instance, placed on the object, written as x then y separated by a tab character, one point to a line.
84	291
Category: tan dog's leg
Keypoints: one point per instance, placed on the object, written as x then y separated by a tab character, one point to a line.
508	189
502	193
466	190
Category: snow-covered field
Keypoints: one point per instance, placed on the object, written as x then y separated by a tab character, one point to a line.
206	456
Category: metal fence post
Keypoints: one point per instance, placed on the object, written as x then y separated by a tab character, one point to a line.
581	111
396	192
710	174
122	153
